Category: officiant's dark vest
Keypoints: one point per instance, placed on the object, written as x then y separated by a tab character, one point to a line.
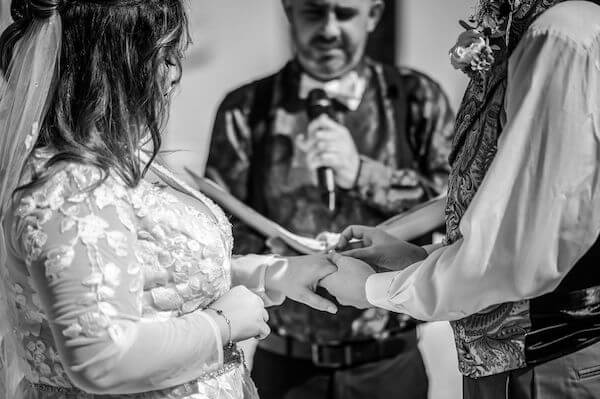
513	335
260	155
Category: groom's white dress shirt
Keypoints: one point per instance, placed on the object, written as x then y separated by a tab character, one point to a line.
538	209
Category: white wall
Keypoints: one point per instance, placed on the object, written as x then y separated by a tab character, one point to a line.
235	41
428	29
4	14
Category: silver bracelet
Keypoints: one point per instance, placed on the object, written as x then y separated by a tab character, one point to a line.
220	313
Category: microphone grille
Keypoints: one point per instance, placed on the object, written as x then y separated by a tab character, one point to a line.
317	103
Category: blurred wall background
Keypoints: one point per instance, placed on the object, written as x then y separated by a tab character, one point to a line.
236	41
426	32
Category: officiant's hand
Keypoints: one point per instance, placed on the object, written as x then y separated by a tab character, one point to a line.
332	146
379	249
298	277
348	284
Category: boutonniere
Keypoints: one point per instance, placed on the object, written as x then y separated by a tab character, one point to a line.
477	48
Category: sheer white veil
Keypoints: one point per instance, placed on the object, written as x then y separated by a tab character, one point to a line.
25	90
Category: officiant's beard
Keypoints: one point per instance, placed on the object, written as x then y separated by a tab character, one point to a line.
326	59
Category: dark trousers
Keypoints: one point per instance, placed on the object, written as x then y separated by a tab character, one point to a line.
575	376
282	377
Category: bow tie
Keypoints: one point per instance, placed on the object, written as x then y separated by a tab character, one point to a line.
348	90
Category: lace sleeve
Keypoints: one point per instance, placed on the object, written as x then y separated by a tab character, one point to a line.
79	246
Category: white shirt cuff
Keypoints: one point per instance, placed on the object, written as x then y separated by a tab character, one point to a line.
378	291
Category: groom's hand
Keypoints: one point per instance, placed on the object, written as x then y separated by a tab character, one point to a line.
390	257
379	249
298	277
348	284
355	237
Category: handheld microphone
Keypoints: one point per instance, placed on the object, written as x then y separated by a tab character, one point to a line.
317	104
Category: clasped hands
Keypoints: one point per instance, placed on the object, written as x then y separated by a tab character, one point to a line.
361	252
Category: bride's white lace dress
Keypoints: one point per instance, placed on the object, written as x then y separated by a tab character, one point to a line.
89	259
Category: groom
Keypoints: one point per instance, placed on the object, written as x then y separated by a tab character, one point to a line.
519	278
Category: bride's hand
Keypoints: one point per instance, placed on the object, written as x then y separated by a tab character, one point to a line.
246	312
297	278
348	284
390	257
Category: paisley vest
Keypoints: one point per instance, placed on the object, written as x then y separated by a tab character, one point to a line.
512	335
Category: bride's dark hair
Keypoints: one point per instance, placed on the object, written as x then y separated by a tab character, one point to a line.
111	87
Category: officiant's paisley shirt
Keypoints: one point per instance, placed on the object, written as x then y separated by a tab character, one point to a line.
402	130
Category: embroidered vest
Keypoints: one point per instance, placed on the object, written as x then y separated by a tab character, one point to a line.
494	340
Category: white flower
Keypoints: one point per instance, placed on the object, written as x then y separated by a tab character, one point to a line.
107	309
125	217
117	241
71	211
119	191
26	206
471	53
133	269
78	198
104	196
58	260
111	274
93	279
43	216
91	228
136	284
54	196
93	324
194	245
67	224
79	175
105	292
115	332
159	232
34	240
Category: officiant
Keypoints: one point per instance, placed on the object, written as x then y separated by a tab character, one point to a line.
383	138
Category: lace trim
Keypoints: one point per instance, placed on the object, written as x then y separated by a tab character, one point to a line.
234	358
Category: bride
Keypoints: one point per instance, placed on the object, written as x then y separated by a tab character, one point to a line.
114	283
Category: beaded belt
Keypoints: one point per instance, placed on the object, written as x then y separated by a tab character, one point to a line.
233	358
